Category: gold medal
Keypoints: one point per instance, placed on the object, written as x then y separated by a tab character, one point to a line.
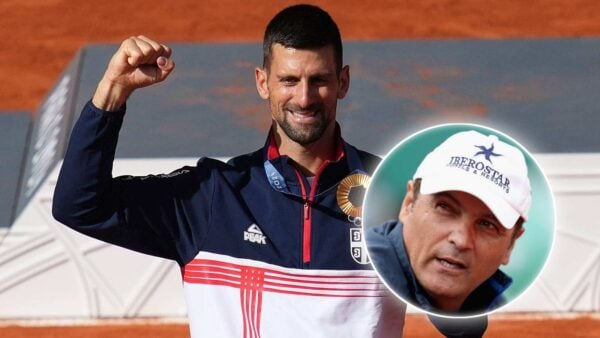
350	193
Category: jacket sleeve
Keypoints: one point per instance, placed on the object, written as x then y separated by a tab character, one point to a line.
157	214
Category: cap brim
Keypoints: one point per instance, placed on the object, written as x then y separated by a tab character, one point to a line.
467	182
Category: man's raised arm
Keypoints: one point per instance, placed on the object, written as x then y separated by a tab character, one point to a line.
140	213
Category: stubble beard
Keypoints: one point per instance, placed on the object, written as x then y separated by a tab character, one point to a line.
305	134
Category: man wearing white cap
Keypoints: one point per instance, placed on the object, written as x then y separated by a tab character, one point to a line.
459	220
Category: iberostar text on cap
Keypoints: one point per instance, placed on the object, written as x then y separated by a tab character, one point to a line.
483	166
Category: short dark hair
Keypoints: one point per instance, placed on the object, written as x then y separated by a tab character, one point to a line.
302	27
518	225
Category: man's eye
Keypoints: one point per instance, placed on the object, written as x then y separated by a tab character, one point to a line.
490	226
319	81
286	81
443	207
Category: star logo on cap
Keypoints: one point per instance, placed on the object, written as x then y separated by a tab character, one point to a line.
487	152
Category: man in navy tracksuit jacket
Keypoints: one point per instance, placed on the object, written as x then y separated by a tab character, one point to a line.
269	243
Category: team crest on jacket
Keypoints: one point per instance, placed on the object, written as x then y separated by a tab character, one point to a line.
350	194
358	250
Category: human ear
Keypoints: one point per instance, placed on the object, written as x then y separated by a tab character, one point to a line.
508	252
407	203
261	77
344	82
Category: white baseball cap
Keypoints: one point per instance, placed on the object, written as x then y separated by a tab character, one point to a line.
483	166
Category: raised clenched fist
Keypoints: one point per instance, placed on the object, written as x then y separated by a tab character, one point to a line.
139	62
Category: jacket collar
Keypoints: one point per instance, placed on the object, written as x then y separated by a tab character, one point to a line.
282	176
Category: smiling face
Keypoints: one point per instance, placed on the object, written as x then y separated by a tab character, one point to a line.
302	86
454	243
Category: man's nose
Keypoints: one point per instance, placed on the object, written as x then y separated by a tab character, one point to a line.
305	94
462	236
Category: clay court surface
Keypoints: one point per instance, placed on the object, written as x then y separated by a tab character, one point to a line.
417	326
39	38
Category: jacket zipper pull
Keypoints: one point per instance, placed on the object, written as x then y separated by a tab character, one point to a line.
306	210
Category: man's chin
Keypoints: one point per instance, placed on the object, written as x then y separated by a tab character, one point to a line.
303	135
443	289
305	140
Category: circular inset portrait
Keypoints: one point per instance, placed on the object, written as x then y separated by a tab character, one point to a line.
458	220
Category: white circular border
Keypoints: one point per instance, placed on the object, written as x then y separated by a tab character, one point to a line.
438	126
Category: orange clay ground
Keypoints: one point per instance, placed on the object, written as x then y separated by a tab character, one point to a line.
38	38
417	326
